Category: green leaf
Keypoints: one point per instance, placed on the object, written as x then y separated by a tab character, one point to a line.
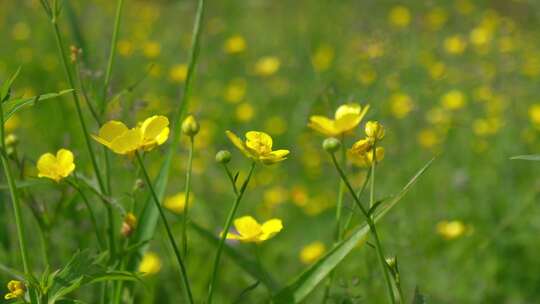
250	266
303	285
13	106
149	216
534	157
6	86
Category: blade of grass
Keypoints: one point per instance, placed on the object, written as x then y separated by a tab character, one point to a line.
305	283
534	157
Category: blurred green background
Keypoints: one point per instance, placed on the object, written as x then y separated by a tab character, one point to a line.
456	79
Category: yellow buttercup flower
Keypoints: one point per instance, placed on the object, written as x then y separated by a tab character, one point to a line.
312	252
346	118
116	136
365	159
176	203
250	231
375	130
16	290
453	100
258	146
450	230
56	167
178	73
235	44
399	16
129	224
267	66
150	263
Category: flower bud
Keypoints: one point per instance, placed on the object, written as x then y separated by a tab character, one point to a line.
223	157
11	140
129	224
190	126
375	130
331	144
139	184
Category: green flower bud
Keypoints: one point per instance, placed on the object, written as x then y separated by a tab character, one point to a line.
331	144
223	157
190	126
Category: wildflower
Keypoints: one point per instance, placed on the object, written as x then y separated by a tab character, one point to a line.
428	138
125	48
436	18
16	290
236	90
534	114
150	263
453	100
129	224
451	229
346	118
190	126
267	66
56	167
151	49
455	45
258	146
375	130
331	144
223	157
399	16
365	159
401	105
178	73
21	31
322	58
250	231
312	252
235	44
245	112
176	203
152	132
275	125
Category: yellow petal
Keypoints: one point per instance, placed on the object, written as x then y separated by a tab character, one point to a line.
47	166
64	159
154	126
127	142
274	157
259	142
109	131
238	143
323	125
247	227
270	228
350	108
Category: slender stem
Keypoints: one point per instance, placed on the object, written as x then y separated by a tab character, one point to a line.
231	178
112	53
373	164
181	265
358	194
14	196
186	200
372	228
228	224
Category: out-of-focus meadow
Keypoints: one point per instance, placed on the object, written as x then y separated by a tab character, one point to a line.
458	80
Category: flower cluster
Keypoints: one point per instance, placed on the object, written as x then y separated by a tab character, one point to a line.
365	150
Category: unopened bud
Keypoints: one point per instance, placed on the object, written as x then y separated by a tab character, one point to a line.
223	157
375	130
190	126
331	144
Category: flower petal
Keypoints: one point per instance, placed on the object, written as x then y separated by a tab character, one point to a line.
259	141
127	142
238	143
345	109
323	125
47	166
154	126
65	163
274	157
247	227
270	228
109	131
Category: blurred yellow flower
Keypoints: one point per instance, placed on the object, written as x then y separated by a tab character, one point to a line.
129	224
16	290
346	118
451	229
399	16
56	167
453	100
21	31
455	44
480	36
12	123
116	136
400	105
428	138
125	48
312	252
176	203
275	125
258	146
245	112
236	90
322	58
464	6
178	73
250	231
150	263
534	114
436	18
267	66
151	49
367	76
235	44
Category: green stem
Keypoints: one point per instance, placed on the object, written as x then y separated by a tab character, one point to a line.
186	200
110	64
228	224
181	265
371	225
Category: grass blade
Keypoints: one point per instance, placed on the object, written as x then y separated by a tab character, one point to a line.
304	284
534	157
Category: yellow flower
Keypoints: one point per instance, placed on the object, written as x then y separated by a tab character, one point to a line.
178	73
346	118
428	138
375	130
150	263
400	105
322	58
312	252
365	159
267	66
236	90
129	224
151	49
16	290
534	114
451	229
399	16
125	48
455	44
245	112
258	146
453	100
250	231
150	133
235	44
56	167
176	203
